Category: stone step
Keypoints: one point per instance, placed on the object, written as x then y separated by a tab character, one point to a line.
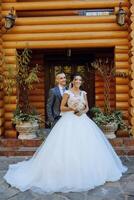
20	151
4	142
16	147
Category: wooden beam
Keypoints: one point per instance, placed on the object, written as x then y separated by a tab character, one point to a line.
65	36
65	20
67	28
66	43
64	5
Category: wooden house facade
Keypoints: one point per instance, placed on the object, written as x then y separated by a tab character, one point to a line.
69	34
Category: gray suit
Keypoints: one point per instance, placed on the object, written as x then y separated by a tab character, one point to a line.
53	105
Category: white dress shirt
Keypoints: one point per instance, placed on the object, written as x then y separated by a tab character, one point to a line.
62	89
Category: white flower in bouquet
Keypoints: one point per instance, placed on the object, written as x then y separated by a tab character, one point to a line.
77	104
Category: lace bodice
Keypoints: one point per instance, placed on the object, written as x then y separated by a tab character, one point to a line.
78	100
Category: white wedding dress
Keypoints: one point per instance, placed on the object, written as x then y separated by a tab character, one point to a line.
76	156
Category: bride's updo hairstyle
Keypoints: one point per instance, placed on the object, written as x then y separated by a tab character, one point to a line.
73	77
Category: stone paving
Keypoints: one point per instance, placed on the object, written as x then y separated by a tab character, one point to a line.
120	190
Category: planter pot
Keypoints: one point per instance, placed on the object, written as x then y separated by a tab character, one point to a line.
27	130
109	130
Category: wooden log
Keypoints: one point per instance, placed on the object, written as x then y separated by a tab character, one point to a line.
132	92
37	92
1	112
121	51
122	81
122	105
10	99
41	111
8	116
1	95
38	104
1	104
121	57
65	20
38	98
132	121
132	111
101	103
101	90
11	66
63	5
99	84
64	36
122	89
122	70
2	121
39	86
10	60
122	64
8	1
101	97
132	102
68	28
132	84
121	48
2	130
65	44
132	57
122	97
9	52
10	107
10	133
8	125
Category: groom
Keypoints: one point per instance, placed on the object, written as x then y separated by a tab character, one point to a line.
54	99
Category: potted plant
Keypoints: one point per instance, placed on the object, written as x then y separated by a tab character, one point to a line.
108	119
26	123
25	119
109	123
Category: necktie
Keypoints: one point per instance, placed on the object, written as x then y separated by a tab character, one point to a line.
63	90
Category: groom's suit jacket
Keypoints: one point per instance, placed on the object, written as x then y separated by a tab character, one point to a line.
53	104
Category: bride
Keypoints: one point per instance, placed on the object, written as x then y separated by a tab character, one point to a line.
76	155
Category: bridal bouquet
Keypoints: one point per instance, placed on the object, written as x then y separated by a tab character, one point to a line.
77	104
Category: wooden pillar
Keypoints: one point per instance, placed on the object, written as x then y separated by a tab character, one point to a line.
10	101
132	63
1	91
122	85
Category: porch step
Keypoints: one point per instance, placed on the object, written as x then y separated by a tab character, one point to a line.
16	147
22	151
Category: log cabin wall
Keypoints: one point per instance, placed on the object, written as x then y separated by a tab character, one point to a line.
56	24
1	92
132	62
9	101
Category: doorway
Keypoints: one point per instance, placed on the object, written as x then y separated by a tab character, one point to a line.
70	61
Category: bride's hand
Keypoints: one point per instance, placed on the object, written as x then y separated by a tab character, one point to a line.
79	113
74	107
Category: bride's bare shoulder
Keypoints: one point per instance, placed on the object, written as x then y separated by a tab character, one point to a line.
84	92
67	92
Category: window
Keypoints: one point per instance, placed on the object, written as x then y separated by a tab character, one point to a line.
97	12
